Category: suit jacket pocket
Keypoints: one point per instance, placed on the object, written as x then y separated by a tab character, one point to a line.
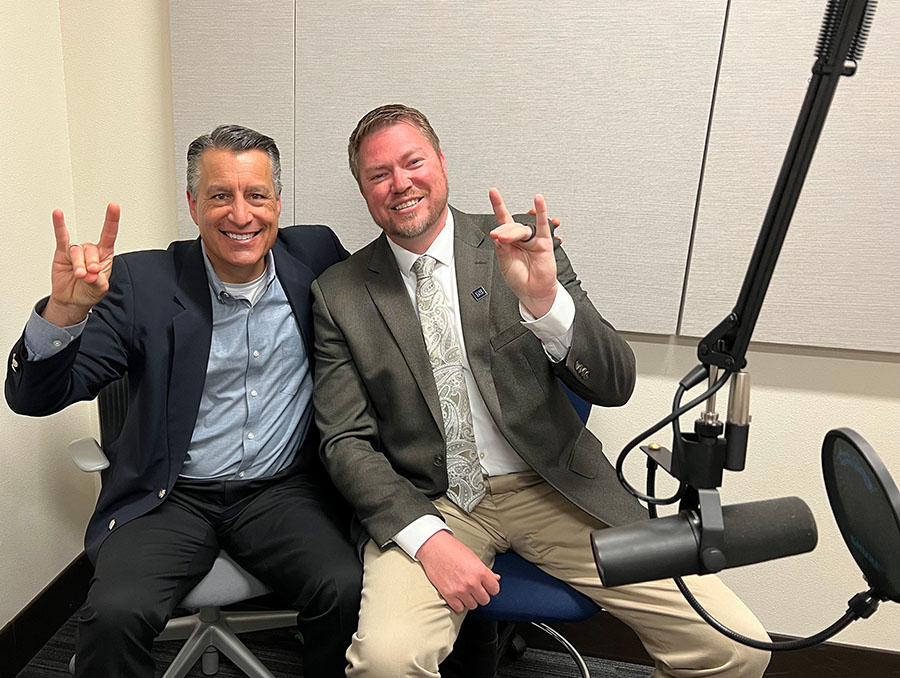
585	459
511	333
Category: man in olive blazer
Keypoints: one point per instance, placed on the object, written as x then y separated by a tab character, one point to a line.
522	323
395	466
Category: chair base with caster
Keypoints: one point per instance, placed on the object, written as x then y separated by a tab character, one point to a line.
211	631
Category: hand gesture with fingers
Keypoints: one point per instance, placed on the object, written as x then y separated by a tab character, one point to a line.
526	256
80	273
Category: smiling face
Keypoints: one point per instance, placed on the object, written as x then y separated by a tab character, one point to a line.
236	209
404	182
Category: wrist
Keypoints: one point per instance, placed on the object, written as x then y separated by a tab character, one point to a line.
539	306
63	315
431	544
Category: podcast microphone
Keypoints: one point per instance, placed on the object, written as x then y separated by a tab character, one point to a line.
668	547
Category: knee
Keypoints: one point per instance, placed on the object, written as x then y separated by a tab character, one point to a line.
752	662
347	583
725	657
388	656
121	610
739	659
336	591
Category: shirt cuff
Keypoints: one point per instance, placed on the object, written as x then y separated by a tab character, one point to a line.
556	327
411	537
44	339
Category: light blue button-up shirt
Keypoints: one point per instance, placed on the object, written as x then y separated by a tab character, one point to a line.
256	405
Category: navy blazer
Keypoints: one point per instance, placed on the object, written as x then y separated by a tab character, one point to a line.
155	324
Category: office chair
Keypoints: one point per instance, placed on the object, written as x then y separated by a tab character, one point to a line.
528	594
210	629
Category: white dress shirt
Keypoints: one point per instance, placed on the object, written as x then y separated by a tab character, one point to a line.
554	331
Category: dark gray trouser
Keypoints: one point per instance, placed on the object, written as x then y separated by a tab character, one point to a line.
287	532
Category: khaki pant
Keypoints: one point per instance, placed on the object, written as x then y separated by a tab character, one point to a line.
406	628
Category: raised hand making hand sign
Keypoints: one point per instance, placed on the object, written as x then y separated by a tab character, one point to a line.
80	273
526	256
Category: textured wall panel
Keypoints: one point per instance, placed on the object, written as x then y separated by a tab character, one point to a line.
233	62
602	107
837	281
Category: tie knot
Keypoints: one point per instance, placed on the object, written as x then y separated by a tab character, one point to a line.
423	267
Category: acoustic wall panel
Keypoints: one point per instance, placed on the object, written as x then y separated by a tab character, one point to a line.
838	280
603	107
233	62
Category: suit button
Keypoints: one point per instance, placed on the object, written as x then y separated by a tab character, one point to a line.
112	523
585	373
162	493
438	461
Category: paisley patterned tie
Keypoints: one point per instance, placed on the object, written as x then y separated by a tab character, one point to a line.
466	484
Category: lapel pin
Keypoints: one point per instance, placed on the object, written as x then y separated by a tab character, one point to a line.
479	293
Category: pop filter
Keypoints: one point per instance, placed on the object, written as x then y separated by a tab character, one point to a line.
866	506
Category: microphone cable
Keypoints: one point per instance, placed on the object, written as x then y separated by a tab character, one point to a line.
860	606
694	377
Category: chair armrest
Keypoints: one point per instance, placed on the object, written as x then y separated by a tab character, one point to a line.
87	455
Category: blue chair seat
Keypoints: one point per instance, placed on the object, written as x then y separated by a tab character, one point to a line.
528	594
549	599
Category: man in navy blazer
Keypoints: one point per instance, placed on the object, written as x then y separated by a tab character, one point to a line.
218	448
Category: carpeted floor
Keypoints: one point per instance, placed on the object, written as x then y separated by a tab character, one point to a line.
279	651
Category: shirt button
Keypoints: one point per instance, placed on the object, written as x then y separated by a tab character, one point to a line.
250	436
112	523
162	493
56	343
481	455
256	354
254	393
241	474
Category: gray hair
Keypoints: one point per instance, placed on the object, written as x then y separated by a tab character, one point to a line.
385	116
236	139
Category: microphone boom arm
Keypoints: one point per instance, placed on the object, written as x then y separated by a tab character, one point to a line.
726	345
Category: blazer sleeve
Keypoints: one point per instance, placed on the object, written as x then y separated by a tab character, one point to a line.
385	502
78	372
600	365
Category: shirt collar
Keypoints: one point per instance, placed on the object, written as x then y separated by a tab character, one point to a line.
216	284
441	249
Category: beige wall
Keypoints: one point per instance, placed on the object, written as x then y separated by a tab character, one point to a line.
87	113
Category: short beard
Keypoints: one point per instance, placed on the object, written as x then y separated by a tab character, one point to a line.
422	227
425	225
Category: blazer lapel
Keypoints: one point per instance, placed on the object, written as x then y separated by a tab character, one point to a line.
296	278
474	257
388	292
191	336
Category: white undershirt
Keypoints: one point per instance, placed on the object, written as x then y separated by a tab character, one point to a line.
553	329
251	291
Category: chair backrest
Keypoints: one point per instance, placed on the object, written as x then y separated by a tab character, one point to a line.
112	403
582	406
